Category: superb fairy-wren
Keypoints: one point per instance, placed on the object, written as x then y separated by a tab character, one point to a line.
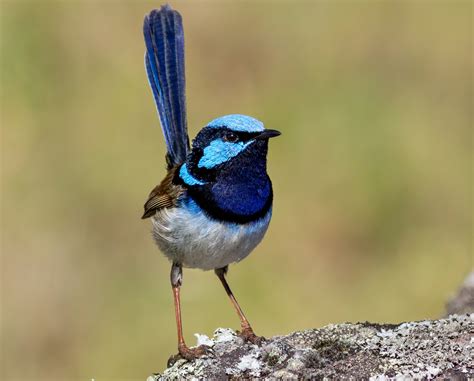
215	203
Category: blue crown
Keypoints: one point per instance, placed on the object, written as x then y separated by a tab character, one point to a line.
237	122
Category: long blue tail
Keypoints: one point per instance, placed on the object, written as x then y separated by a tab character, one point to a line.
164	61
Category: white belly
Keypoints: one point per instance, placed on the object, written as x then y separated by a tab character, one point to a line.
189	237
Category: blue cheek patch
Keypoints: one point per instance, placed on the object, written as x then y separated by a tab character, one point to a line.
219	152
187	177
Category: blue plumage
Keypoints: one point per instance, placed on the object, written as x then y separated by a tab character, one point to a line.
237	122
228	179
164	62
187	178
219	151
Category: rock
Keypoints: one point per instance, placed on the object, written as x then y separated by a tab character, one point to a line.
463	301
431	349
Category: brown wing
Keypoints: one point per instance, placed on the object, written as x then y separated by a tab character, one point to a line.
164	195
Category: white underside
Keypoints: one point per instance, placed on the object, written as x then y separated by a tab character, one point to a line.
194	240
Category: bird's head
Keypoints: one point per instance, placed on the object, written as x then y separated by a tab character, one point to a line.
226	170
229	141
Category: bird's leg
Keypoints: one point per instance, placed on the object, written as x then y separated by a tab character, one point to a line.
176	277
247	332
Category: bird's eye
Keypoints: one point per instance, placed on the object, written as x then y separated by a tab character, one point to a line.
230	137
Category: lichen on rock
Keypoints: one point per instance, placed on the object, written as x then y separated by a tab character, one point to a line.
431	349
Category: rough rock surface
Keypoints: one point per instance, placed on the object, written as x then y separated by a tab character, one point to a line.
463	301
436	349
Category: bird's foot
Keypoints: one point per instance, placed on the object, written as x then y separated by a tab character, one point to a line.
248	335
189	354
193	353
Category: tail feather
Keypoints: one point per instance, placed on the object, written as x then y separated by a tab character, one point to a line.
164	62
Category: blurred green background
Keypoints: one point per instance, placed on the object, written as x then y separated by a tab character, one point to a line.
372	175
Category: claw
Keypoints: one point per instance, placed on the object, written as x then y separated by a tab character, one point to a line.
193	353
172	360
248	335
189	354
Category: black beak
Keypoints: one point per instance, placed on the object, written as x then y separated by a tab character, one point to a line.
267	134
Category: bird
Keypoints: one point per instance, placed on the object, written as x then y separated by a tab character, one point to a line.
214	205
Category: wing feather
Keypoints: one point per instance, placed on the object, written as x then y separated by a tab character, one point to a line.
164	195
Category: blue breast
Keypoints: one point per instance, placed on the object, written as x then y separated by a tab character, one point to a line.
243	197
